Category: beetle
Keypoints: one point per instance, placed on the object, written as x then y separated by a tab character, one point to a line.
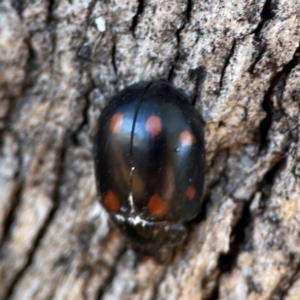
149	164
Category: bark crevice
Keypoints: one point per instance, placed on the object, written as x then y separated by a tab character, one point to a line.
241	232
267	13
276	89
226	63
140	10
286	282
113	57
157	285
11	214
186	20
43	230
110	278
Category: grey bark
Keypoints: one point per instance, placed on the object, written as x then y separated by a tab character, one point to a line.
238	61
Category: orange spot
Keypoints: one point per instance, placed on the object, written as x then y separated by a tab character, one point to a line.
116	123
154	126
157	206
186	138
111	201
190	192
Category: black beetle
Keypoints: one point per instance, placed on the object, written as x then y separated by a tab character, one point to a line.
149	162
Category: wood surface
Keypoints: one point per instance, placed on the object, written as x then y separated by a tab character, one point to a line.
61	61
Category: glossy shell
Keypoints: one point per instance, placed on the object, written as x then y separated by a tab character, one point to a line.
149	162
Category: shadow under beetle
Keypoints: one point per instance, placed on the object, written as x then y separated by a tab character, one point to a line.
149	162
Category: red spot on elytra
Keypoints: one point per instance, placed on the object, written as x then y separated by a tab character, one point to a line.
116	123
187	138
154	126
190	192
157	206
111	201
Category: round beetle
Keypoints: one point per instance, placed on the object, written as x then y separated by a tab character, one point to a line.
149	163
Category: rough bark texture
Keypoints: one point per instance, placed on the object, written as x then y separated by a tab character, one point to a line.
239	62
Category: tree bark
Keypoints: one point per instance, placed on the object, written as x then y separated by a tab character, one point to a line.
239	63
